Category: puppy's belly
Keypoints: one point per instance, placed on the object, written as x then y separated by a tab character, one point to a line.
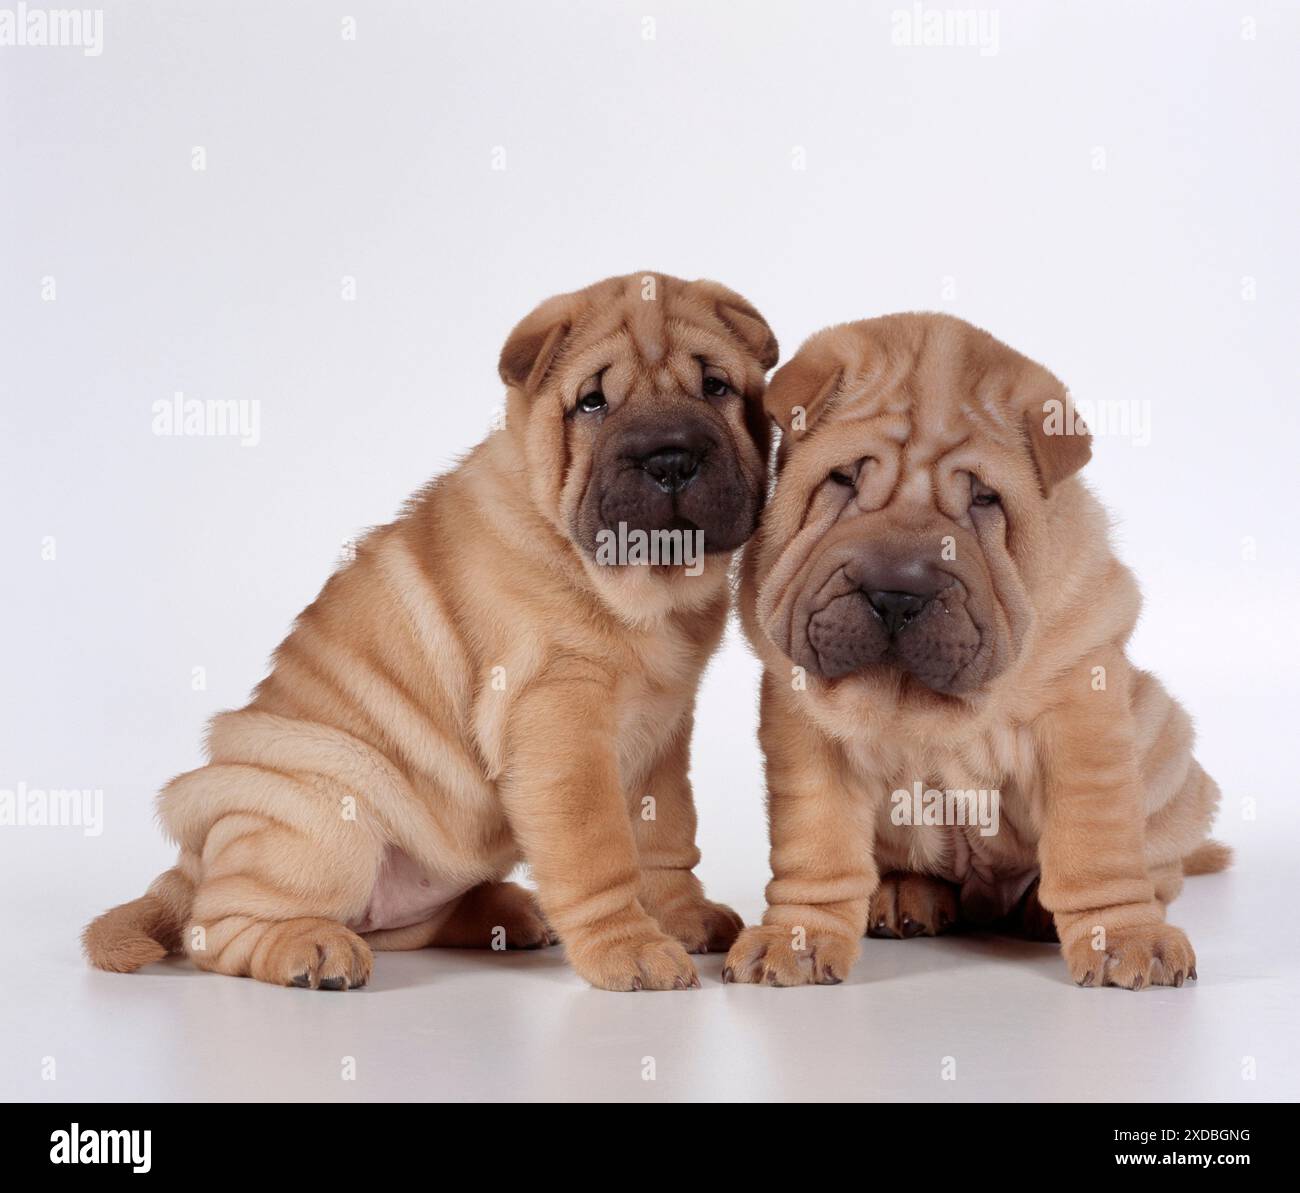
405	894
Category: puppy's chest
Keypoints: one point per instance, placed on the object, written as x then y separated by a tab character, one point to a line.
999	755
989	756
958	808
994	764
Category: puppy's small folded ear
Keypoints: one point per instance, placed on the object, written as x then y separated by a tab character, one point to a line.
1059	442
532	346
750	328
742	319
804	386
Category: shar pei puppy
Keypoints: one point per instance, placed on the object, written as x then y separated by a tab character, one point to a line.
947	701
505	673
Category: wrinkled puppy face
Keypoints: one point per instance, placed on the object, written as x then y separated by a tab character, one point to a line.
901	546
643	401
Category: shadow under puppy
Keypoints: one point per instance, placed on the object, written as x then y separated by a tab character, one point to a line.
939	612
489	681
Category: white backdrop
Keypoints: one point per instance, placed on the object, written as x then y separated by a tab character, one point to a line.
1111	188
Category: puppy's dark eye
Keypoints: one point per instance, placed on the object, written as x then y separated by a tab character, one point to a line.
842	478
715	387
982	494
590	403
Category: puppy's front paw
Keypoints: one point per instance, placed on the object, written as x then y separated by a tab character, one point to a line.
789	956
701	925
646	961
1135	956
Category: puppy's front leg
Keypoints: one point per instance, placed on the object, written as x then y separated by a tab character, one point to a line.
664	823
565	805
823	868
1094	875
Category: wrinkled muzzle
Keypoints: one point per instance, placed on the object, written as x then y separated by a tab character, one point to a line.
853	609
680	475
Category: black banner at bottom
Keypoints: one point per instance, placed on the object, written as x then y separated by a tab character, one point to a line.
265	1142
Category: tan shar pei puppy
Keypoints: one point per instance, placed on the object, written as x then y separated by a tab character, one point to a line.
943	625
505	673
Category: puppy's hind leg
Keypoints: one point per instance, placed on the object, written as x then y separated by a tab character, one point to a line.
907	905
492	915
1029	919
1168	881
276	893
495	915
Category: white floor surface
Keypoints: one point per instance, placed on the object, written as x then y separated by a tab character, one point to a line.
469	1026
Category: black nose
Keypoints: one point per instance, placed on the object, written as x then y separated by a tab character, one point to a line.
896	609
673	468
